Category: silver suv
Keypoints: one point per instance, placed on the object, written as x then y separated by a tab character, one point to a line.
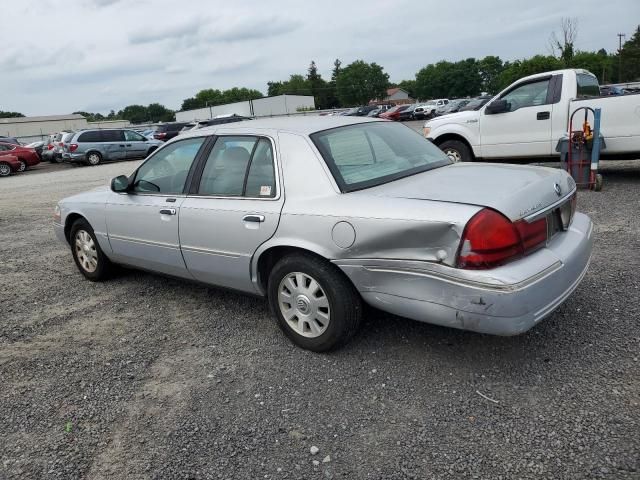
93	147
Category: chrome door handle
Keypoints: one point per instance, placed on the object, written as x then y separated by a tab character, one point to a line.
168	211
253	218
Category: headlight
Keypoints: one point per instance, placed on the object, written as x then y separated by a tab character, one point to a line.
426	130
56	213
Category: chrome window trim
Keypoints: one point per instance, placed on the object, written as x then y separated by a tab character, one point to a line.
276	170
539	214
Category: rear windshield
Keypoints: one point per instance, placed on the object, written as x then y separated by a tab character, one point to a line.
587	86
67	137
369	154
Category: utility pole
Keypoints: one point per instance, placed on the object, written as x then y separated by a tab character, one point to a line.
620	37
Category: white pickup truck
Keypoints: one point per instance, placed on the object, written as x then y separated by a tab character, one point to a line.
527	118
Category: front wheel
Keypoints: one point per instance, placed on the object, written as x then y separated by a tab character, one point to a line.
457	151
87	254
314	303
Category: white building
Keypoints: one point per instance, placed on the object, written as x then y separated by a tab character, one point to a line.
28	129
260	107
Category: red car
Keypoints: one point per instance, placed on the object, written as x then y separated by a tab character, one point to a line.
394	113
8	165
28	157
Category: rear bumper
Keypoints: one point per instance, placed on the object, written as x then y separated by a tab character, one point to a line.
503	301
73	157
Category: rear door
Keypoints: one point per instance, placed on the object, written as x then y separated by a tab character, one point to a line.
524	130
234	206
135	144
113	144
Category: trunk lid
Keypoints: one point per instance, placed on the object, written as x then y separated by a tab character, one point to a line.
516	191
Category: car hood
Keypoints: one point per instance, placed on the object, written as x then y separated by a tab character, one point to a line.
514	190
458	117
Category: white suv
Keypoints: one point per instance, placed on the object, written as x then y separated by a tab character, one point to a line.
430	108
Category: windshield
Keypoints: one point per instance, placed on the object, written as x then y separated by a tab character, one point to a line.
369	154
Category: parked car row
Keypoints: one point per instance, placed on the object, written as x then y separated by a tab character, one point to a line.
16	158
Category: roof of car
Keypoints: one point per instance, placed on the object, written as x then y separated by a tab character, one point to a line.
303	125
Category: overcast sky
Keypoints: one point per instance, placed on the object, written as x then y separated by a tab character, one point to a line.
59	56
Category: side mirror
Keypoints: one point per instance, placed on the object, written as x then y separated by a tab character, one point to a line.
497	106
120	184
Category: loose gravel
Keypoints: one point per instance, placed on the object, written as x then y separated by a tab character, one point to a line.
149	377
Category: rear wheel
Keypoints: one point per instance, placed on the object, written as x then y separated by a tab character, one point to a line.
5	170
457	151
87	254
23	165
314	303
94	158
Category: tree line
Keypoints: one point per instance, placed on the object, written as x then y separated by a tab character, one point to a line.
359	81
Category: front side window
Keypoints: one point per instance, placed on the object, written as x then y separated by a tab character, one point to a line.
131	136
239	166
166	171
365	155
527	95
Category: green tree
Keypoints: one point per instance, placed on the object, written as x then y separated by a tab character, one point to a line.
160	113
490	68
10	114
521	68
564	42
296	85
600	64
360	82
134	113
212	97
274	88
320	89
631	58
449	80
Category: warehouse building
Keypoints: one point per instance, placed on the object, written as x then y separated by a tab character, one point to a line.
260	107
29	129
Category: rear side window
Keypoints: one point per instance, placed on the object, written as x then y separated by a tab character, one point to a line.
587	86
239	166
112	136
92	136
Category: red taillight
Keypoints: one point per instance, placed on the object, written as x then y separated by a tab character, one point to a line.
50	146
490	239
159	136
533	234
73	147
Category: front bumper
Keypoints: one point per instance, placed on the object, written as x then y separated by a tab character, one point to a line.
507	300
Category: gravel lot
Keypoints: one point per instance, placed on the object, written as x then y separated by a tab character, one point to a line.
148	377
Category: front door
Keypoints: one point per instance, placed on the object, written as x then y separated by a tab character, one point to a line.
525	129
235	209
135	144
142	225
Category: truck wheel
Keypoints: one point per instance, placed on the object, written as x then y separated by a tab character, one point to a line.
315	305
457	151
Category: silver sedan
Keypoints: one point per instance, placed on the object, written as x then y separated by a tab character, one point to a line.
322	214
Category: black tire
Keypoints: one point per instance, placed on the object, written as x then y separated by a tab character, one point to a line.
93	159
23	165
344	302
151	150
104	267
457	151
5	169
